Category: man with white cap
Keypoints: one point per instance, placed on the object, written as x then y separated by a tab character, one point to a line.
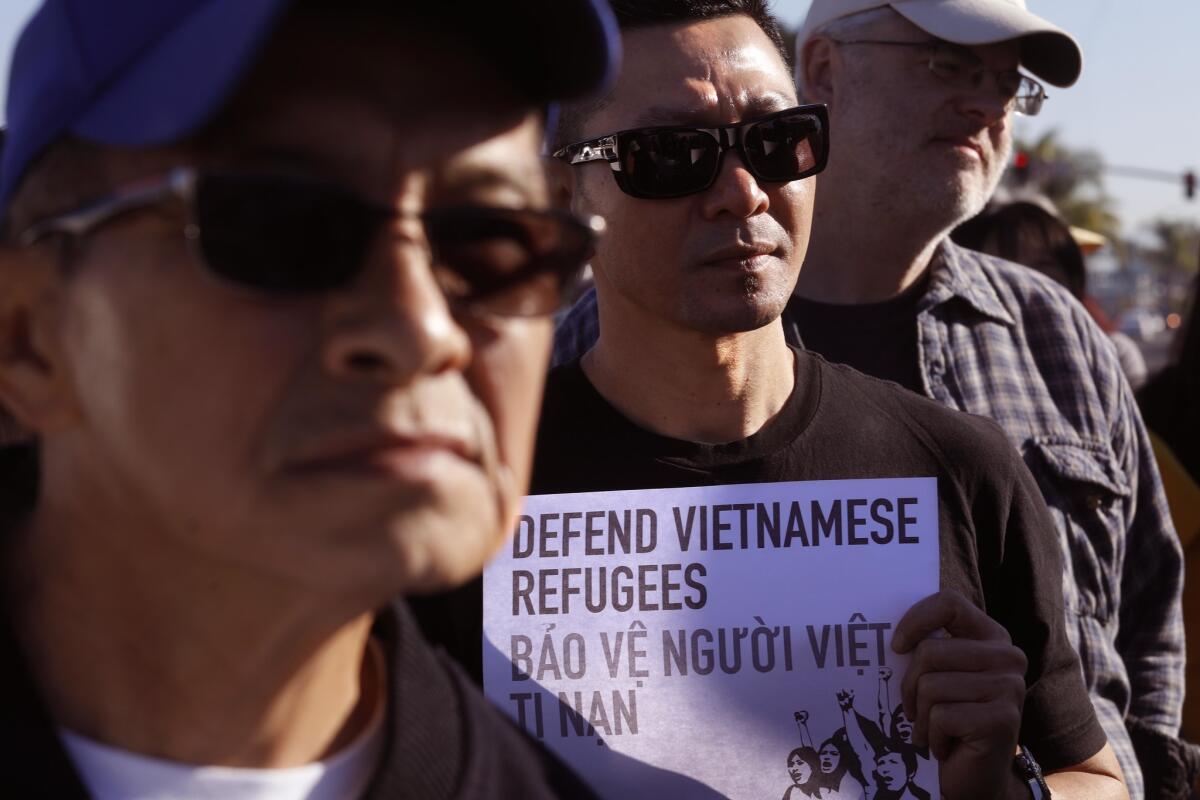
922	94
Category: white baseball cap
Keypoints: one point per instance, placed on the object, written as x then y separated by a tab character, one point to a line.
1047	51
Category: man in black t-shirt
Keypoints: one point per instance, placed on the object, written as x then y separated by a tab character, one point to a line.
705	188
262	411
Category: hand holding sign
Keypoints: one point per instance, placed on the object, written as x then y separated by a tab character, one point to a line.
964	693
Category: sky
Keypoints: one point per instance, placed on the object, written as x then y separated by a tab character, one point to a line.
1138	102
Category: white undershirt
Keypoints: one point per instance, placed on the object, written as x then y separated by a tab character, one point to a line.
113	774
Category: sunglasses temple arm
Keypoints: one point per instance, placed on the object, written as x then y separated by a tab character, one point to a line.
178	183
602	149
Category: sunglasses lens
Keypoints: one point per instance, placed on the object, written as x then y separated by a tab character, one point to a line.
507	262
787	147
281	235
668	163
286	235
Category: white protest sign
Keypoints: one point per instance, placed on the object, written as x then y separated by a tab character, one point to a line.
718	640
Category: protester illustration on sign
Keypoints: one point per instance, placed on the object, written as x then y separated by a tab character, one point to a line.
896	771
860	760
900	734
888	719
899	728
801	718
803	769
841	774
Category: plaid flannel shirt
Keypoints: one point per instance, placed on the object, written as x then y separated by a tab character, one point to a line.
1002	341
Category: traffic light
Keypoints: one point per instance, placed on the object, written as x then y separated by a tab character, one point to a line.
1020	166
1189	185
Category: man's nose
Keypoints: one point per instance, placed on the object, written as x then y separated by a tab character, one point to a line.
394	323
985	102
735	191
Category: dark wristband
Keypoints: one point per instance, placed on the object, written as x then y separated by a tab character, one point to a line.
1029	771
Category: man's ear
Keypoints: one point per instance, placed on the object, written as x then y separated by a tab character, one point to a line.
814	70
560	176
34	386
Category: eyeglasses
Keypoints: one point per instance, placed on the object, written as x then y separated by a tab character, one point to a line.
960	68
288	235
673	161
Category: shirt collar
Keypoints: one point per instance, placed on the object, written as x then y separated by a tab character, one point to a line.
958	272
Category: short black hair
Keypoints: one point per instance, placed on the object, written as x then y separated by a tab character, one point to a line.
635	14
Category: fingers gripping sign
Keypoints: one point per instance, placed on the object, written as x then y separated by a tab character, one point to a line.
963	691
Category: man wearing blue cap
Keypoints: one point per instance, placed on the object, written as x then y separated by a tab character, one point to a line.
274	306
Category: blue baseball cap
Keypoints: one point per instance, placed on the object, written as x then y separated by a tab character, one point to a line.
142	73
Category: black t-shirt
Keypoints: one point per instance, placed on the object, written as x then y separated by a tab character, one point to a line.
879	339
998	546
443	738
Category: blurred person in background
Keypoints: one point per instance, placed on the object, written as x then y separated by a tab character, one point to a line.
1026	233
922	94
1170	402
276	308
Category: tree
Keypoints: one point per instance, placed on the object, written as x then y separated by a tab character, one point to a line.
1178	244
1072	179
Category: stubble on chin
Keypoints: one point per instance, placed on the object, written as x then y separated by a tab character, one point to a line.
975	196
987	179
956	198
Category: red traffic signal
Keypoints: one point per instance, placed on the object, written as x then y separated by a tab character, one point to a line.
1020	166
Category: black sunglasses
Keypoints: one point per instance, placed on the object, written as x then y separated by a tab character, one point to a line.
673	161
292	235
